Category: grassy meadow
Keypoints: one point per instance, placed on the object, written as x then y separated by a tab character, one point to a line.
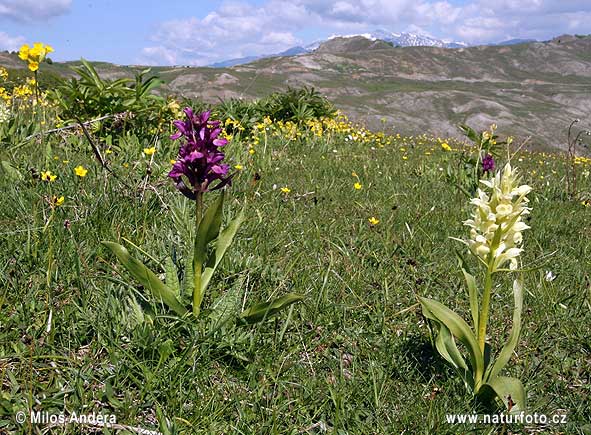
358	222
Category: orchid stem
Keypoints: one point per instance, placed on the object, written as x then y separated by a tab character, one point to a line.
197	261
483	317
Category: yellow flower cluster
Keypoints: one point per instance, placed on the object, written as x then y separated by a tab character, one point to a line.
34	55
3	73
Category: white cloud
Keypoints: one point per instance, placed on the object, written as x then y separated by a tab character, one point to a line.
238	28
33	10
233	30
10	43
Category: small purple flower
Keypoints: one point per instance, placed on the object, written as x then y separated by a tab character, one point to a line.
199	162
488	163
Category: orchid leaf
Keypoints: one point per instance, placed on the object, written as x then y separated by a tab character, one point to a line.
223	242
507	351
446	346
172	278
459	328
264	310
226	307
473	296
187	286
208	229
509	390
146	277
472	289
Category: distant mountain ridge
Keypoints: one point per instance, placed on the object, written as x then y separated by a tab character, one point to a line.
403	39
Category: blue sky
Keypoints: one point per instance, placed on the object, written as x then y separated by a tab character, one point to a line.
201	32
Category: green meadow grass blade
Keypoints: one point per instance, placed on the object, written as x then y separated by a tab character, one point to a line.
459	328
264	310
507	351
509	390
146	277
223	242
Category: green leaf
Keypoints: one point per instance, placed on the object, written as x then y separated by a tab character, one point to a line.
146	277
473	296
172	278
472	289
224	241
507	351
459	328
10	171
264	310
165	350
226	307
447	348
504	388
188	280
470	133
208	229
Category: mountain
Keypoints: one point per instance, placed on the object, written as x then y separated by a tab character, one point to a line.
412	40
514	42
397	39
530	89
293	51
237	61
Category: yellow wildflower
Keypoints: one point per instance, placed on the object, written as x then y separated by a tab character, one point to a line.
445	146
149	151
48	176
24	52
80	171
57	201
238	167
357	186
285	190
373	221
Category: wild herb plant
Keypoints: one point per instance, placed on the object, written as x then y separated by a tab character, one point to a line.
124	105
471	167
200	169
495	241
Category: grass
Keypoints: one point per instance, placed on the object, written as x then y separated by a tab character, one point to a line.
355	358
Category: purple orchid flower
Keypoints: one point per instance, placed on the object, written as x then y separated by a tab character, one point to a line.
488	163
199	161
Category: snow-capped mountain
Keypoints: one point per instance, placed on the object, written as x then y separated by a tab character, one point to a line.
397	39
405	39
